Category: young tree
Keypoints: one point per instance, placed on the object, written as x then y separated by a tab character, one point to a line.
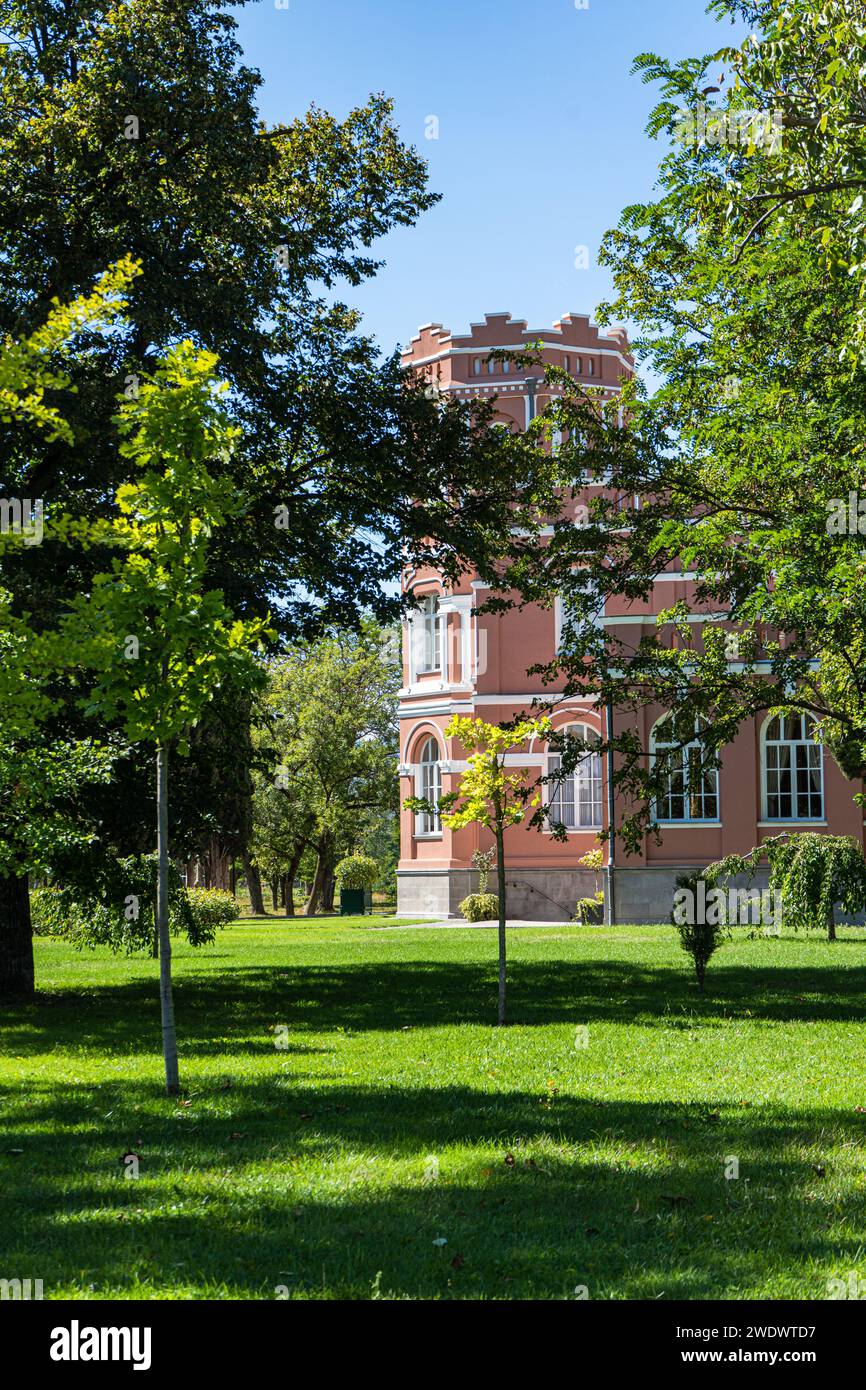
158	640
489	796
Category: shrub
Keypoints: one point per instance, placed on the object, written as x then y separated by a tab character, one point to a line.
590	909
701	940
483	860
212	908
810	872
117	909
356	871
480	907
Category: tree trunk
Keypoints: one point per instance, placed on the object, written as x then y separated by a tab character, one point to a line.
274	899
218	862
500	880
328	891
169	1036
16	938
831	923
290	881
318	888
254	886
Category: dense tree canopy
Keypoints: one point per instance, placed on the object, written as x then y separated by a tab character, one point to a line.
329	729
746	465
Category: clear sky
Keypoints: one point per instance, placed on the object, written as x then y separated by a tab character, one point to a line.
540	143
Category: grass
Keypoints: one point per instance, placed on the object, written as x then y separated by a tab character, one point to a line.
392	1143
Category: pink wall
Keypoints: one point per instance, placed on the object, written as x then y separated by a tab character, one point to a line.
495	685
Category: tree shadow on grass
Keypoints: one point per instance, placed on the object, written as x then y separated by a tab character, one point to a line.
239	1009
626	1197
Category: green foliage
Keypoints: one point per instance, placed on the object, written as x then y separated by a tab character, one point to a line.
701	940
356	871
480	907
483	860
487	795
814	872
745	278
160	642
119	910
211	908
593	859
590	909
326	745
811	873
42	774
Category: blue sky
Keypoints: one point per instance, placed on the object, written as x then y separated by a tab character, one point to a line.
540	135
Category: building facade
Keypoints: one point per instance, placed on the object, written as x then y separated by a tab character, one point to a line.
456	661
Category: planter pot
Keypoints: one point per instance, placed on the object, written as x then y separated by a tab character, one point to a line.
354	902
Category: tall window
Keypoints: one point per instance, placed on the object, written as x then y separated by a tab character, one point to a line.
575	800
793	770
690	790
431	641
430	787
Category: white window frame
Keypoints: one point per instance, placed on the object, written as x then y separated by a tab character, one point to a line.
686	771
571	792
804	756
430	645
428	784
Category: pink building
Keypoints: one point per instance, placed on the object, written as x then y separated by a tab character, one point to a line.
773	777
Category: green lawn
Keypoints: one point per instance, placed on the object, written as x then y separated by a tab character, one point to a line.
395	1118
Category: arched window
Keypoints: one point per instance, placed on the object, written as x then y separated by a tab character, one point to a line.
429	787
431	643
491	367
476	366
565	361
575	799
506	367
590	365
690	790
793	769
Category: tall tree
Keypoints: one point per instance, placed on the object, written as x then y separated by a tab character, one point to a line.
142	137
330	719
746	466
43	764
